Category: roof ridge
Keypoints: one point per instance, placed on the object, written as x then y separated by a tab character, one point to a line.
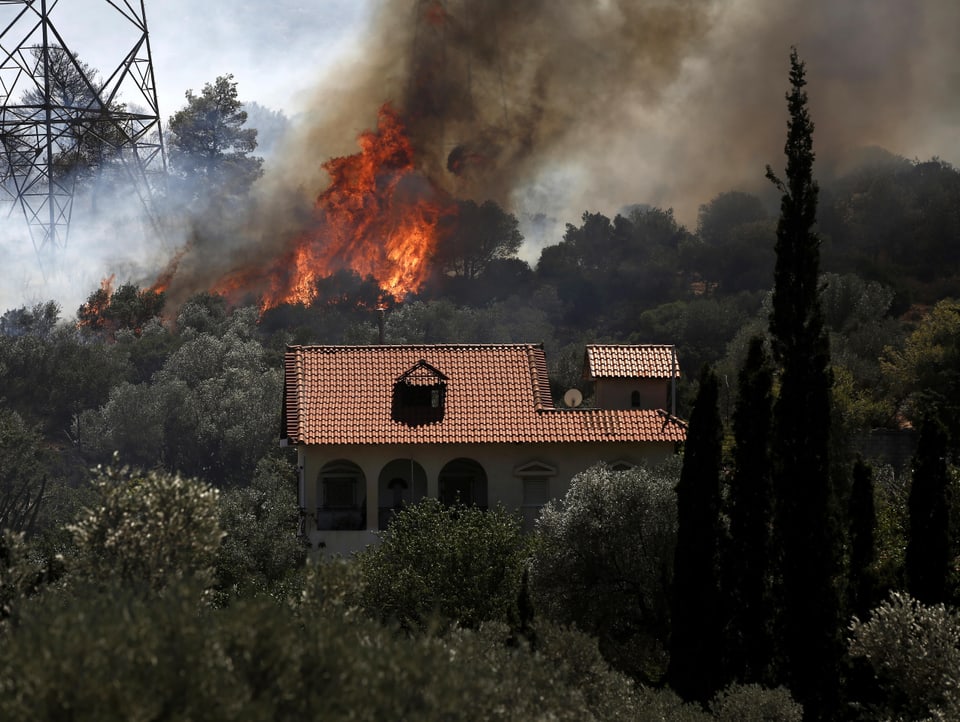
630	345
381	346
543	398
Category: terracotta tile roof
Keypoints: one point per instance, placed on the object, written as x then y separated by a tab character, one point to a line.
493	393
620	361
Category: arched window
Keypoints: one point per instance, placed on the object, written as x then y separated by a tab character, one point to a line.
635	399
396	486
401	482
463	481
342	496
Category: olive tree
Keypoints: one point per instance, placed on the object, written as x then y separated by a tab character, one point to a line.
602	559
453	563
147	528
914	651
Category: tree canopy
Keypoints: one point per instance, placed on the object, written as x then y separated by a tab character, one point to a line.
209	145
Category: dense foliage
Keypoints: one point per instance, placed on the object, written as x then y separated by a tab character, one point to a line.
437	564
149	517
602	559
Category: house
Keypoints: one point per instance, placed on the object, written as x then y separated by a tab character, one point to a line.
377	427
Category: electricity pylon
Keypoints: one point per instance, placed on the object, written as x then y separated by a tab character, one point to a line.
63	121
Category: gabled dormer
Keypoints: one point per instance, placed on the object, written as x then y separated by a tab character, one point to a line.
419	395
632	376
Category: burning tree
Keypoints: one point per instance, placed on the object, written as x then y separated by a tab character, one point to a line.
107	311
379	217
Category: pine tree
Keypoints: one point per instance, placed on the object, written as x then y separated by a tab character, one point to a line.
747	563
863	523
806	518
696	643
928	547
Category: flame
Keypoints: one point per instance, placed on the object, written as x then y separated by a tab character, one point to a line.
91	313
166	276
379	217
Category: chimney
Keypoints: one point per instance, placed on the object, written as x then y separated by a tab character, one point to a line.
381	316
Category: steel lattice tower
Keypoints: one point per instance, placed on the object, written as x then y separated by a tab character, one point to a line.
62	119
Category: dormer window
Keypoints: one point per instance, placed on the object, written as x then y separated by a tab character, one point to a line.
419	395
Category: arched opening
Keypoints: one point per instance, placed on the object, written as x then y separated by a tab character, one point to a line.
463	481
401	482
635	399
342	496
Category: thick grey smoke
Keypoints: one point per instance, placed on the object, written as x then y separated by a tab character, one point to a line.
561	107
564	107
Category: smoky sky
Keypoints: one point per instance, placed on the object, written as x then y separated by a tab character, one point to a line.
594	105
557	108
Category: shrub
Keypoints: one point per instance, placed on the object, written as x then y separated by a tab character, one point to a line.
602	560
914	650
753	703
461	563
147	529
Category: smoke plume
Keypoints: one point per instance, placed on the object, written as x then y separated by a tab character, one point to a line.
556	108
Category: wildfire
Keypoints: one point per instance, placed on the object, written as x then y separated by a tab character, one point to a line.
91	313
379	217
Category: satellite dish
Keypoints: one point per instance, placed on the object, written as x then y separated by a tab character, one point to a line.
573	398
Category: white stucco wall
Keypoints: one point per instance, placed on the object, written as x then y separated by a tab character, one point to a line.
499	461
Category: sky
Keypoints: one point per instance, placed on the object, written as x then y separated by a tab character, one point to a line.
277	52
585	105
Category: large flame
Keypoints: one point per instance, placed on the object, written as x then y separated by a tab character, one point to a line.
379	217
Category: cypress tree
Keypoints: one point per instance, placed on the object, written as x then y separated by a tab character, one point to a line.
746	574
806	519
696	640
863	524
928	547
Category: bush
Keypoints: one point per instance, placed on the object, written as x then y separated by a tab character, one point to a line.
914	650
460	563
260	550
753	703
160	657
602	560
147	529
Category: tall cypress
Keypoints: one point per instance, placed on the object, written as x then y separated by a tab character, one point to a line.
928	547
696	654
806	519
747	562
862	582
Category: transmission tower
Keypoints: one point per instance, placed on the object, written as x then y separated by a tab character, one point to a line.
63	120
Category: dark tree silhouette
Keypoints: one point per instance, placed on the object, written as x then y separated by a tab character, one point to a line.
748	563
807	523
863	523
694	671
484	233
928	547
